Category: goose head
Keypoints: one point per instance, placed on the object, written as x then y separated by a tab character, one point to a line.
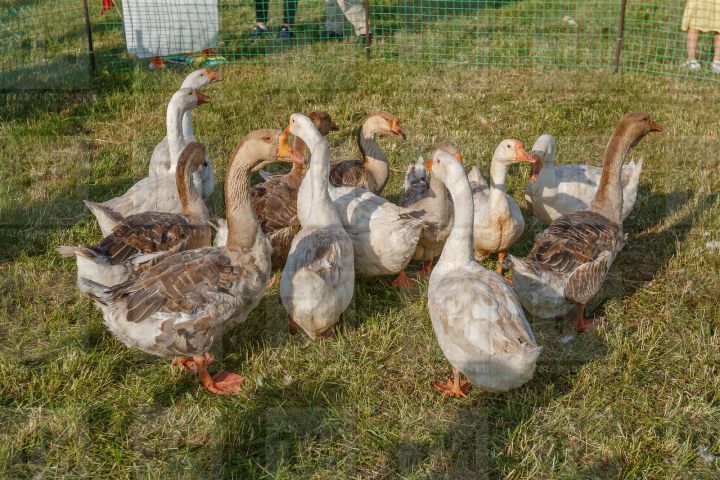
192	158
201	78
446	166
189	98
323	122
511	151
301	126
452	149
636	125
383	123
544	152
264	146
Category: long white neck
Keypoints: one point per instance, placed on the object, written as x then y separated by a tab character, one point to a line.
176	140
458	248
187	127
498	196
373	157
315	208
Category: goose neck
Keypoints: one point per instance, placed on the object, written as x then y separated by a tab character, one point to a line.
314	202
459	245
374	159
608	200
176	140
192	203
241	219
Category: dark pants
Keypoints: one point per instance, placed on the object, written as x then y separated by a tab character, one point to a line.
262	7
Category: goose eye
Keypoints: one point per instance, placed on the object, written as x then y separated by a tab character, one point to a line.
267	139
204	164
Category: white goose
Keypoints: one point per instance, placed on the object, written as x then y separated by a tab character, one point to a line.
157	193
476	316
556	190
318	279
498	220
161	162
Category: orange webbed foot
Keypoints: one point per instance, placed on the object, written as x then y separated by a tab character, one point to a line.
449	389
225	383
403	281
583	325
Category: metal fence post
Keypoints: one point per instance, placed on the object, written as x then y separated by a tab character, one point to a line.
621	33
368	36
88	30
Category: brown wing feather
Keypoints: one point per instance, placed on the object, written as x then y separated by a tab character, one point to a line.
148	232
348	173
275	203
574	240
182	283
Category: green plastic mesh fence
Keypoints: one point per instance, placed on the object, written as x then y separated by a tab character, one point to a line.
45	44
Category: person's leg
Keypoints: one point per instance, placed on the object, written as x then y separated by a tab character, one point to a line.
334	18
261	12
716	48
693	35
289	13
355	13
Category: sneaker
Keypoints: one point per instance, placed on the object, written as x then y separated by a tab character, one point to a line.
692	64
257	32
716	66
285	34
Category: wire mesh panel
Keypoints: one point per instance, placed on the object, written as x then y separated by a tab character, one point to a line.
44	43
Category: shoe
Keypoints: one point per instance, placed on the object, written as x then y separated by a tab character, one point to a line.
285	34
257	32
330	35
692	64
716	66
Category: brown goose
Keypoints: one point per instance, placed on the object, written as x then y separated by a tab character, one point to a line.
183	304
275	200
145	237
571	258
371	172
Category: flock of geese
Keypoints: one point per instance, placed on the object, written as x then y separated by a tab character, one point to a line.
163	286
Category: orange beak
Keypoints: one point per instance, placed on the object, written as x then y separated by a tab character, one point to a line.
521	155
654	127
536	167
202	99
395	129
286	152
214	76
459	157
428	164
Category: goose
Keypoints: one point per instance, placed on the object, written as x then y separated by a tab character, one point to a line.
156	193
476	316
148	236
160	161
182	305
318	279
571	258
275	200
431	197
372	171
384	236
556	190
498	220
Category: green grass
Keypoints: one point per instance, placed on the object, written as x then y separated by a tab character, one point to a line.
636	398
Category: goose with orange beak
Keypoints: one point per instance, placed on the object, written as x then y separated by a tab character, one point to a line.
476	316
498	220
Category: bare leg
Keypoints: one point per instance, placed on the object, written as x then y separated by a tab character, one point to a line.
455	387
272	281
693	35
582	324
222	383
426	269
403	281
716	48
501	258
